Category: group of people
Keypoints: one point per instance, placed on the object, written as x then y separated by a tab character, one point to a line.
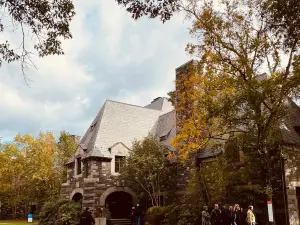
234	215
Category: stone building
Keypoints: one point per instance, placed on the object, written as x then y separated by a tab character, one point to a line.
94	169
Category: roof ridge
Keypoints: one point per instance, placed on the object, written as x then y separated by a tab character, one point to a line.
97	128
95	120
131	105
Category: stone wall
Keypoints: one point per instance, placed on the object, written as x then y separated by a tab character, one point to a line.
98	181
292	173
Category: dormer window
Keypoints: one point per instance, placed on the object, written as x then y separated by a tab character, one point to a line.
93	126
164	137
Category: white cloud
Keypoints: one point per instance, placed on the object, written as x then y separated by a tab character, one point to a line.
110	56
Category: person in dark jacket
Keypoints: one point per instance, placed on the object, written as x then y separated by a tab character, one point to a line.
138	214
244	216
216	218
240	218
230	215
86	217
132	216
224	216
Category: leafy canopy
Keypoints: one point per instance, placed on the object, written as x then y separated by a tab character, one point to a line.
241	85
148	170
32	169
47	22
163	9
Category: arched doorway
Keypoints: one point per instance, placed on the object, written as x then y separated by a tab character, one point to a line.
77	197
119	204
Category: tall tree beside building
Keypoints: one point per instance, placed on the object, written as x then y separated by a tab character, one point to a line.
147	170
245	76
66	147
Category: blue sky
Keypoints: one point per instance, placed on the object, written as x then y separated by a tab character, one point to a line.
110	56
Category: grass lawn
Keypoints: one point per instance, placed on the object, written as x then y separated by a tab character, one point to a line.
15	222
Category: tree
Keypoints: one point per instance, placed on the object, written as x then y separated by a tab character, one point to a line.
66	147
47	21
32	169
13	178
147	169
283	17
240	87
152	8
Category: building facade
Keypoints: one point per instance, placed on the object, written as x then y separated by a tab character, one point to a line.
93	172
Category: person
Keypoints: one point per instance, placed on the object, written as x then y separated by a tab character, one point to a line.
244	216
250	216
205	216
216	218
86	217
224	215
138	214
132	216
230	216
239	218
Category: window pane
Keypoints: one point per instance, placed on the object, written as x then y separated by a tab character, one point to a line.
86	169
119	163
78	165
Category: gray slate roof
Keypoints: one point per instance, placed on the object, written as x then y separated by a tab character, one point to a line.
162	104
288	131
120	122
166	128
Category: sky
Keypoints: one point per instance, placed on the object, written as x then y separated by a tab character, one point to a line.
111	56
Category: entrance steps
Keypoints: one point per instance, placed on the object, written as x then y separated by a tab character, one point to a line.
124	221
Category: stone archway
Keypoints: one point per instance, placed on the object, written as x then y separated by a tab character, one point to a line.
119	204
77	197
76	191
118	189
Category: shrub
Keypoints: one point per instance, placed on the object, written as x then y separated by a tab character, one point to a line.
156	215
187	214
63	212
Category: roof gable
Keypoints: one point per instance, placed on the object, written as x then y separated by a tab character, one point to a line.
162	104
120	122
119	149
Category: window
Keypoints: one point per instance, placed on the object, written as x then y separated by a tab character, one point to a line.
86	169
93	126
119	163
78	165
163	138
